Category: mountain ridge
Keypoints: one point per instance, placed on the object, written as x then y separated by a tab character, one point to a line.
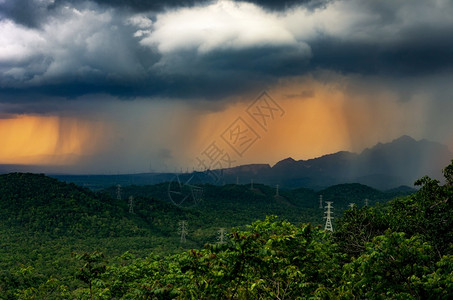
383	166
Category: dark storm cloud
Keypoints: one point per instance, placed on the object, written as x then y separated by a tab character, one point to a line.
27	12
286	4
193	79
153	5
32	13
74	48
412	58
150	5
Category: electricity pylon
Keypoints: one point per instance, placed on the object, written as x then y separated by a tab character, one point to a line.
222	236
183	230
131	204
118	192
328	217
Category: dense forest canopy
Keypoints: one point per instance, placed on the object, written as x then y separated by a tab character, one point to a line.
60	241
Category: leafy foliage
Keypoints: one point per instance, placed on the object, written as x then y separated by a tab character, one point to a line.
402	249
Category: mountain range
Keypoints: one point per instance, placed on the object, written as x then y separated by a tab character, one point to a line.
383	166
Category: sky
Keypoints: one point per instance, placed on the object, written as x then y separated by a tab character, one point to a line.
107	87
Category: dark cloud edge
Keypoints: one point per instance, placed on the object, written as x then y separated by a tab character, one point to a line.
32	13
225	73
152	5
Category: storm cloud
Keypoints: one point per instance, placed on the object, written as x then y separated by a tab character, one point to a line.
156	81
211	49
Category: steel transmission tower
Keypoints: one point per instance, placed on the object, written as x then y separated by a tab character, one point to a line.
351	205
118	192
328	217
183	230
320	201
131	204
276	191
221	237
366	202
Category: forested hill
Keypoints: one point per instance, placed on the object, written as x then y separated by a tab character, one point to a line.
297	205
43	221
37	203
401	249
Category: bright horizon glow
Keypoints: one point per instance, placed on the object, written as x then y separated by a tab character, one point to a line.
145	135
46	140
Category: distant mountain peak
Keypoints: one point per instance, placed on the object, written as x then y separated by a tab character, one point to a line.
404	138
342	154
406	143
285	162
397	162
289	159
402	141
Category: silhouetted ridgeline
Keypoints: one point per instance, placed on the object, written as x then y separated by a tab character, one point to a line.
384	166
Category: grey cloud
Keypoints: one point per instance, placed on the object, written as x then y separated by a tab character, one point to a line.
405	59
104	57
159	5
146	5
224	72
94	53
26	12
287	4
33	13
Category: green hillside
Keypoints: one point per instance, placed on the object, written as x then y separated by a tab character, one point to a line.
344	194
39	204
44	220
58	239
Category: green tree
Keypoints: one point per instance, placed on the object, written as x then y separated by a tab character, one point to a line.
94	265
357	227
391	267
273	259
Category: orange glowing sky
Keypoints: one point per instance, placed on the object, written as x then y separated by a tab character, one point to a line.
31	139
308	128
320	118
146	135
